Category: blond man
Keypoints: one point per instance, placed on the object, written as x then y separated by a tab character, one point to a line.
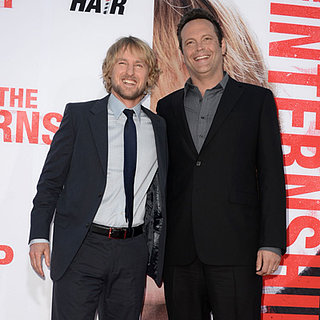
104	178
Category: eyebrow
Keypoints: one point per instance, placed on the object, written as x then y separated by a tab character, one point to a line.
136	61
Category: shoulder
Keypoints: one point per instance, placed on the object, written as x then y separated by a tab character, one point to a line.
153	116
80	107
252	88
169	102
176	95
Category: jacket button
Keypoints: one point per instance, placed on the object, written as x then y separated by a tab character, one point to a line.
198	163
100	195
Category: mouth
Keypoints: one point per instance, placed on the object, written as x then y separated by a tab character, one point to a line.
129	82
204	57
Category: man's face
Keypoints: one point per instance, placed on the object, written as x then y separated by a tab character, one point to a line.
129	77
202	53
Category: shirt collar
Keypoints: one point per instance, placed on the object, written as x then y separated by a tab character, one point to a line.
117	107
223	83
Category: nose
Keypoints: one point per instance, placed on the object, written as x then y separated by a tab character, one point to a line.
199	46
130	69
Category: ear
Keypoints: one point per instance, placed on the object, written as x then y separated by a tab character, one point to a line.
182	56
223	47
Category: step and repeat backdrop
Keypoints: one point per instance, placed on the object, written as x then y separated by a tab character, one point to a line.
51	54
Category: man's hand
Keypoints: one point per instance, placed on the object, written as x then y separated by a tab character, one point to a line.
267	262
37	250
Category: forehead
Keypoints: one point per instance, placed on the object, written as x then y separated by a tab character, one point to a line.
131	53
198	27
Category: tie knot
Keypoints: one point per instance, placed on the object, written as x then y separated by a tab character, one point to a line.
128	113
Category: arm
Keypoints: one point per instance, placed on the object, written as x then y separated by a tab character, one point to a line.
271	189
49	187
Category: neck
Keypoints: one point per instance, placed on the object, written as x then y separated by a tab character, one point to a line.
206	82
127	102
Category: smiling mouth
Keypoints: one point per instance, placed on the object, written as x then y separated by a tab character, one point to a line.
129	81
201	58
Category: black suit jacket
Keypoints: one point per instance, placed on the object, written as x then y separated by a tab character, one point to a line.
73	181
228	200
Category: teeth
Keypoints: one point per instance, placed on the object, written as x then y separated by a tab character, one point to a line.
202	57
129	81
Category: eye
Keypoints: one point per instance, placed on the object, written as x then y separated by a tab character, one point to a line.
139	65
207	38
189	43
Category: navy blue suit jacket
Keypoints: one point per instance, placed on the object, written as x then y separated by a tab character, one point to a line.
73	181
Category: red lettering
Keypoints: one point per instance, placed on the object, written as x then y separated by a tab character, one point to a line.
307	184
295	11
293	279
303	204
7	119
296	142
8	254
290	300
17	97
23	122
305	79
300	223
30	98
50	126
14	96
290	48
298	108
8	3
278	316
2	95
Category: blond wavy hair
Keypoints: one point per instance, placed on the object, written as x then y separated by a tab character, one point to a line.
243	60
140	46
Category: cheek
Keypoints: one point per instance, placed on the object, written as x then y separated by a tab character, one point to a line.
144	77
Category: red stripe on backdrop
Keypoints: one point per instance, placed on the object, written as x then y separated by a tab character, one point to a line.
292	278
295	11
274	316
8	3
290	300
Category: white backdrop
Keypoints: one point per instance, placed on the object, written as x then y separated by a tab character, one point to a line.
59	53
51	55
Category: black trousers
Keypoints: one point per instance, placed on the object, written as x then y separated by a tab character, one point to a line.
106	276
196	290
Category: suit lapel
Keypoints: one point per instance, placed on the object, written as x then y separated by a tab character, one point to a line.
98	120
182	123
228	101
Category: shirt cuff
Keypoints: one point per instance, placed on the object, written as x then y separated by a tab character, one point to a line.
272	249
38	241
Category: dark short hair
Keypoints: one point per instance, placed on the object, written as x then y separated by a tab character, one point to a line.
199	13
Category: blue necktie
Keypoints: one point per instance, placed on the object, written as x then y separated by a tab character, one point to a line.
130	160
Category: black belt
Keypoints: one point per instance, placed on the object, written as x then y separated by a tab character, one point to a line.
117	233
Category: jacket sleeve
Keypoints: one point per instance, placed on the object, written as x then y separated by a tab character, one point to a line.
271	182
52	178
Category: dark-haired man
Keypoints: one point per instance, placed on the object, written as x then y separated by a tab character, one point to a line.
226	192
104	179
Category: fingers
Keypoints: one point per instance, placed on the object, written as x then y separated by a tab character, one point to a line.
259	261
47	257
268	262
37	250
